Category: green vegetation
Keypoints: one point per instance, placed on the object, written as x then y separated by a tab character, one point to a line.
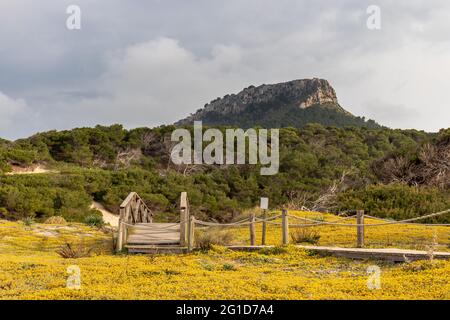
280	113
94	220
106	163
397	201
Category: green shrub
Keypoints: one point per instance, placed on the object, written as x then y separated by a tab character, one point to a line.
397	201
229	267
28	221
3	213
94	220
274	250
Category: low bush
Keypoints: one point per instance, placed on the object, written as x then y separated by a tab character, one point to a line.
305	235
55	220
94	220
229	267
28	221
67	251
205	240
274	250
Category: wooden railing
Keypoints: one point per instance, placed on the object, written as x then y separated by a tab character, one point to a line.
132	210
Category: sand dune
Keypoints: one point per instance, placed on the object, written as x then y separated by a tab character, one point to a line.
108	217
29	170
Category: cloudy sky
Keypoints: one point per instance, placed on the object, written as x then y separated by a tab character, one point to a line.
149	63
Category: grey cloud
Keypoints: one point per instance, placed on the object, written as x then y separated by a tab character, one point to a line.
148	63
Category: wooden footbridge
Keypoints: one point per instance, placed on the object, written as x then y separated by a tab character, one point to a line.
139	234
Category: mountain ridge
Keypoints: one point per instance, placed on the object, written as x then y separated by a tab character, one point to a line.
292	103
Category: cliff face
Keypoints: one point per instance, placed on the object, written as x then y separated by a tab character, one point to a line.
292	103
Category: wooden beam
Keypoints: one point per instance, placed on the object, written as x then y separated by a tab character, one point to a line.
360	229
183	200
285	227
184	220
128	199
120	234
191	233
252	229
119	244
264	228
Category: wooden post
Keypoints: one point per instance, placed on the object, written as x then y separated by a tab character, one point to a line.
360	228
184	219
119	245
191	233
264	228
285	227
252	229
183	227
120	234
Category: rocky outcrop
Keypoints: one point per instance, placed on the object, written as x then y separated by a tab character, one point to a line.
303	94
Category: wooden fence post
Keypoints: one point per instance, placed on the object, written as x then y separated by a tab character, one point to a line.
285	227
119	244
183	225
264	228
360	228
191	233
252	229
184	219
121	230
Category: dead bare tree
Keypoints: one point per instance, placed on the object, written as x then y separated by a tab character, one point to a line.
431	167
327	200
306	201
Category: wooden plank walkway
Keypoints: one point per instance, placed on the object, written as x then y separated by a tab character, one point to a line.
389	254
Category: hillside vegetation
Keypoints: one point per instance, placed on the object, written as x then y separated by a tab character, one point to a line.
322	168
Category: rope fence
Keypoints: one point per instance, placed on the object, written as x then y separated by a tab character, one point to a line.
358	223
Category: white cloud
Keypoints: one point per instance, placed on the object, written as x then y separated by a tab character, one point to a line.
10	112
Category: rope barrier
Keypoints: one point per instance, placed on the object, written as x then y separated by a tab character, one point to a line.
410	223
320	222
390	222
274	223
214	224
315	222
268	219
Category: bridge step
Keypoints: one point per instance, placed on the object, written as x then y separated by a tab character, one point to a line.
155	249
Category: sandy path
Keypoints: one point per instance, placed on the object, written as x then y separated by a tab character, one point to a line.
108	216
29	170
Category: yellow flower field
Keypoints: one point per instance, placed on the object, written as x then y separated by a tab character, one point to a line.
31	269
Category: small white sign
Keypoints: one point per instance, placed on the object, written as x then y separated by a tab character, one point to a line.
264	203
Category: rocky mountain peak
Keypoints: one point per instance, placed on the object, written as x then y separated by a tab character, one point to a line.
295	103
302	93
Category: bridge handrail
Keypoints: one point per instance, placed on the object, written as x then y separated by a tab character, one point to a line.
135	208
132	210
